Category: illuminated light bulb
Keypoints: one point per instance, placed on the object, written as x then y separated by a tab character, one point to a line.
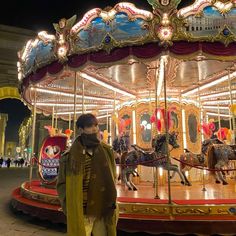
61	51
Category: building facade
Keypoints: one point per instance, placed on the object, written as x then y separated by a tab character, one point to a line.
3	124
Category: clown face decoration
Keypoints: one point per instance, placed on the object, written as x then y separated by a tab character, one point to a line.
49	158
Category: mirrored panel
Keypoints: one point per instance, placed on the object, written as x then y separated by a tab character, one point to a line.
192	128
146	127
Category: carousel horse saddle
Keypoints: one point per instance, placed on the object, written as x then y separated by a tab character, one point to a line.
146	152
195	154
190	155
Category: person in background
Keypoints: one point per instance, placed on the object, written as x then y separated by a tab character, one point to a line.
1	162
86	183
8	161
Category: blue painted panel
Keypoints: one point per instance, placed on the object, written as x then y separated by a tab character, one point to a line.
44	52
123	29
94	35
212	22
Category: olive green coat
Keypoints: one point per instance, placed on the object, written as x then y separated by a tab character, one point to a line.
70	191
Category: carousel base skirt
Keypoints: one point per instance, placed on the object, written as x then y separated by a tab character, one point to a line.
190	210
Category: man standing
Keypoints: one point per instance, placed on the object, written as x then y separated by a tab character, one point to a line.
8	161
86	183
1	161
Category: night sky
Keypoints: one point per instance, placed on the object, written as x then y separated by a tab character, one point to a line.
38	16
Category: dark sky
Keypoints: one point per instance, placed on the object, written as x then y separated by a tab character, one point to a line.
38	16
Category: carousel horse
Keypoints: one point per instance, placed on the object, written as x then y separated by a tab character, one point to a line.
121	146
156	158
190	159
219	156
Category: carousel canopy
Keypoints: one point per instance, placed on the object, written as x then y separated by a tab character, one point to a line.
124	54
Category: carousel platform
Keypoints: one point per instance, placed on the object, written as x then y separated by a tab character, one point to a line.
191	210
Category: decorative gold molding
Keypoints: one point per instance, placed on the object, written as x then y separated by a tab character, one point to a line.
141	109
192	210
127	110
171	70
174	211
144	209
9	92
193	147
41	197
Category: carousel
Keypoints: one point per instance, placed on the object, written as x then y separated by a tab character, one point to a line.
162	82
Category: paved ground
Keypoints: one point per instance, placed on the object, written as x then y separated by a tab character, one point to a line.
19	224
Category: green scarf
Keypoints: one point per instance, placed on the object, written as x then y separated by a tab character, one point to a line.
102	191
89	140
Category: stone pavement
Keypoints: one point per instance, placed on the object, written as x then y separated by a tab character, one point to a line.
19	224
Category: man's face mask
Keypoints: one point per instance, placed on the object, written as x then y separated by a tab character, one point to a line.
90	136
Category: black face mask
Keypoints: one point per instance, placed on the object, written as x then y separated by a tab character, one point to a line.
89	140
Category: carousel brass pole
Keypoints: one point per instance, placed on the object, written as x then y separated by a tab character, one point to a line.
167	136
114	133
52	116
203	180
219	118
69	121
156	102
201	122
56	119
230	122
33	138
231	115
107	122
232	112
109	134
83	110
134	137
74	118
155	169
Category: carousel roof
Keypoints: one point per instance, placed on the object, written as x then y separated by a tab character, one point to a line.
120	53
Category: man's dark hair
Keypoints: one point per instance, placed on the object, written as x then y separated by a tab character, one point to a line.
86	120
